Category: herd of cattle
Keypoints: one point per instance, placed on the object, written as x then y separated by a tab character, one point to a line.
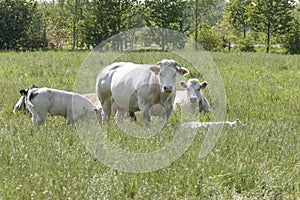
121	88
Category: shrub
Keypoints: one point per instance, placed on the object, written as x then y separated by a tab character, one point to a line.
246	45
209	39
292	40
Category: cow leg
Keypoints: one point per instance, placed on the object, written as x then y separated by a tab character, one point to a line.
69	121
169	112
40	118
34	118
146	116
106	110
120	115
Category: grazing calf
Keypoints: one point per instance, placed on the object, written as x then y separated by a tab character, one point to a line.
73	106
135	87
93	98
235	123
192	96
115	109
20	105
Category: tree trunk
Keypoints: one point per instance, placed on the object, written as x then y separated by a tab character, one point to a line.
74	35
163	39
268	37
74	42
196	25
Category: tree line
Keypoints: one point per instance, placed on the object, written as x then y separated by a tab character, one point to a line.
214	24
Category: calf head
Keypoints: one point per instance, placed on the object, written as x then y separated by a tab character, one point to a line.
167	71
194	93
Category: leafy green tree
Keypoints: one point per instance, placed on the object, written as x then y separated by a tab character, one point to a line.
209	39
105	18
238	11
72	10
55	18
166	14
292	38
36	33
271	17
15	19
226	31
100	22
206	13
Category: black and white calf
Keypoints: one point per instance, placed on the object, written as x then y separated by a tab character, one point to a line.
73	106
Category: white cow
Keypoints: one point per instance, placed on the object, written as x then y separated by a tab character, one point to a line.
73	106
136	87
192	96
235	123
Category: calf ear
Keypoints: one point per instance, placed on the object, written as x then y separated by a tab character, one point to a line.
183	84
204	84
155	69
23	92
183	71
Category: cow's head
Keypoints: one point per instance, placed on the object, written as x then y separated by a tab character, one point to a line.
167	71
20	105
24	92
194	93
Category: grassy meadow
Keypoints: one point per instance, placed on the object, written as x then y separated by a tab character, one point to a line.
258	161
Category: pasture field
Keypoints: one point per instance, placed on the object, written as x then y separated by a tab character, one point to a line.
258	161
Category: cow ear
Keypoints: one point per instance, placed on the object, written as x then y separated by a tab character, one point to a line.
33	86
183	71
155	69
183	84
23	92
204	84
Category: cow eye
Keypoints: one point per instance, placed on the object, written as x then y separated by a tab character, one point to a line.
198	89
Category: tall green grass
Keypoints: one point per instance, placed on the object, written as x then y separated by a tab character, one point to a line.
259	161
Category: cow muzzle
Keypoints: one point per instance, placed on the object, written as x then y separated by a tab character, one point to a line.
193	99
168	89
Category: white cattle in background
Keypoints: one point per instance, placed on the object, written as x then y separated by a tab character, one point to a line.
136	87
235	123
73	106
192	96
